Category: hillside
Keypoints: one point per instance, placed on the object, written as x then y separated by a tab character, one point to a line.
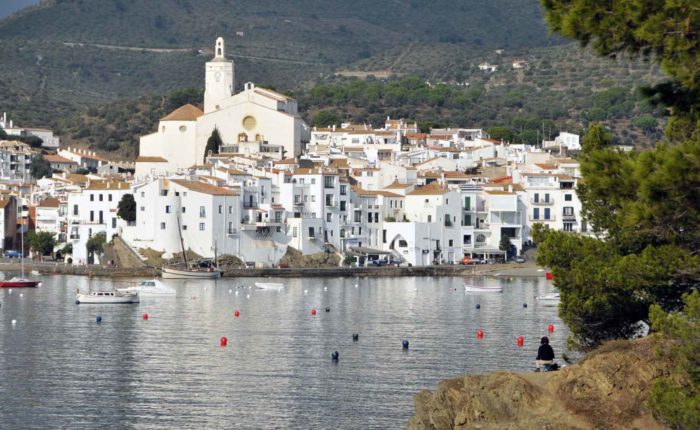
72	54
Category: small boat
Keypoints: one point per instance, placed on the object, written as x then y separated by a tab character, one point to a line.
203	269
483	289
197	272
21	281
269	286
550	299
150	288
107	297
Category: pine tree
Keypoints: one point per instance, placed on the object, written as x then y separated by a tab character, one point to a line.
213	144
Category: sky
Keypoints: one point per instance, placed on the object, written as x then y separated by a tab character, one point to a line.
9	6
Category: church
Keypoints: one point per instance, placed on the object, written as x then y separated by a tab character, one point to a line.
256	120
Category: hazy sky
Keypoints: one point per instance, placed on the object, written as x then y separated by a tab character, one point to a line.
9	6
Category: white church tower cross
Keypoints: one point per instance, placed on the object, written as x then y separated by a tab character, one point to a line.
219	79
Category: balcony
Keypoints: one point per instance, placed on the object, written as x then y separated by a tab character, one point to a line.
541	219
542	202
74	236
330	204
250	205
568	217
232	232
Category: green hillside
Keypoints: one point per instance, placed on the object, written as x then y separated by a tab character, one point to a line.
77	53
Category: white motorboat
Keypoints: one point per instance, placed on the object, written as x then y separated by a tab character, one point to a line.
107	297
269	286
483	289
550	299
150	288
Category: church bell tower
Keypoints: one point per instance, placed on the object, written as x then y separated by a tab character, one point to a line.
219	78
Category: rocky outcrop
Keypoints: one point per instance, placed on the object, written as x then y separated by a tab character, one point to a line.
606	390
295	259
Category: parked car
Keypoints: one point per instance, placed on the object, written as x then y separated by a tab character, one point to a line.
519	259
10	253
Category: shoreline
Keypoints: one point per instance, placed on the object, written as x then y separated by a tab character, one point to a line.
496	270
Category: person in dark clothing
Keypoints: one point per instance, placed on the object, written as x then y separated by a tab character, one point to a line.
545	354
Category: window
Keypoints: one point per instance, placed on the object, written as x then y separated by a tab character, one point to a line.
221	209
306	198
342	232
376	217
403	243
383	236
313	181
230	209
357	217
92	216
109	197
114	223
75	209
546	198
278	229
143	208
162	226
467	220
430	218
343	190
163	193
568	211
201	226
449	243
297	198
546	213
202	212
167	209
468	203
328	181
329	199
329	217
359	231
101	197
536	199
447	201
143	194
568	197
184	227
183	209
467	239
342	205
312	232
294	231
481	238
568	226
177	194
92	197
313	198
536	213
369	216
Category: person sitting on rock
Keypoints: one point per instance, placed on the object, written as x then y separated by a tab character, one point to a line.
545	353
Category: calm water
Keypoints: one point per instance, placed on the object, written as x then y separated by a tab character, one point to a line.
60	369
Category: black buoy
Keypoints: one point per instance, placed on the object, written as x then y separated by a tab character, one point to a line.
98	319
478	306
355	337
405	344
328	309
335	356
524	305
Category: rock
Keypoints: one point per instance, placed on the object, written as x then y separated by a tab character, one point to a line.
607	389
295	259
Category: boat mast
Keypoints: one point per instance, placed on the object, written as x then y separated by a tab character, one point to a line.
216	262
21	259
182	243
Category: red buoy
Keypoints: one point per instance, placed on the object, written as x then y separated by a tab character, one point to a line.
236	314
521	341
313	311
223	341
479	334
550	328
549	276
145	316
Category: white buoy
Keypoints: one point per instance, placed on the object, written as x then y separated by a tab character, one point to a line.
325	288
14	322
306	291
21	295
236	292
10	291
357	285
247	296
230	291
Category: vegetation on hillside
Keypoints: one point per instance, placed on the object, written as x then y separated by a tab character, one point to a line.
644	206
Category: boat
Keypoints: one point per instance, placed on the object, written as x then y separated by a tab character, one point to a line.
21	281
269	286
483	289
107	297
203	269
150	288
550	299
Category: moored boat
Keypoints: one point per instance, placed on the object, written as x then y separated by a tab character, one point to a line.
483	289
21	281
172	272
269	286
107	297
150	288
550	299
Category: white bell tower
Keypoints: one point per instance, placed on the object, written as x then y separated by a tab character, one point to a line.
219	80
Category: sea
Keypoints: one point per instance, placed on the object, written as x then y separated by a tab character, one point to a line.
60	368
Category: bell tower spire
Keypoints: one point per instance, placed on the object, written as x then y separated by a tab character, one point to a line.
219	78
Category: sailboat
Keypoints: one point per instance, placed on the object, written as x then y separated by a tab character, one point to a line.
203	269
20	282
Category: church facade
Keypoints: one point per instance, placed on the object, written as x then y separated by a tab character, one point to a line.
250	121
